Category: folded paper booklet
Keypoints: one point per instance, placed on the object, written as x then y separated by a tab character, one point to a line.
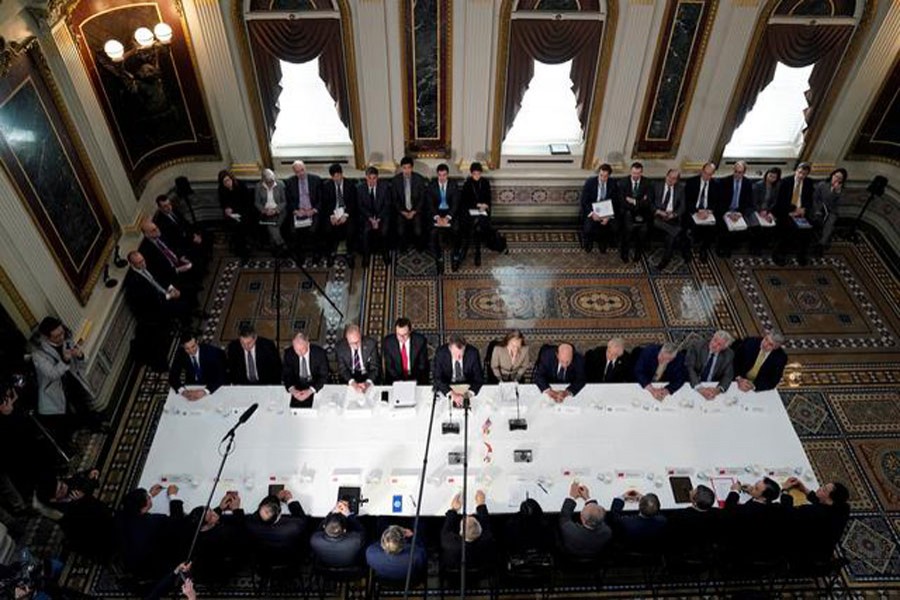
604	208
735	225
235	216
474	212
709	220
802	223
268	221
338	213
763	222
301	222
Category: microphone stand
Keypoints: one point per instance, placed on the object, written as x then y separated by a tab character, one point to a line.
412	549
315	284
66	458
462	558
276	300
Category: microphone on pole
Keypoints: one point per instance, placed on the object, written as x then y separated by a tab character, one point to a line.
242	419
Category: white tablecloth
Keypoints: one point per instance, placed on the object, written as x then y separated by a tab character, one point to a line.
610	437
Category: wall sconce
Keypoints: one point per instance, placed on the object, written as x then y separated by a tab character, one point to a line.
144	39
793	374
145	51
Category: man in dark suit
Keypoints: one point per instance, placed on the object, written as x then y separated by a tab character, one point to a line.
149	541
759	362
444	218
165	262
304	369
152	299
221	545
636	212
389	557
302	195
668	209
660	363
615	367
253	360
185	237
340	214
374	201
749	528
816	527
357	357
795	199
711	361
405	354
559	365
410	205
702	196
595	228
695	528
276	535
642	532
736	200
590	535
476	529
457	362
197	365
341	539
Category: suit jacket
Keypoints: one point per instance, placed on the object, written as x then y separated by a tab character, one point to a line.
393	567
589	196
175	230
745	196
641	193
292	191
159	266
417	196
268	363
546	371
749	527
771	370
260	196
689	528
339	552
695	361
328	196
318	368
212	367
692	195
149	541
443	369
286	535
146	302
824	202
371	362
225	542
380	209
815	527
636	532
454	201
783	205
418	359
475	193
645	369
576	539
595	366
478	553
760	200
678	201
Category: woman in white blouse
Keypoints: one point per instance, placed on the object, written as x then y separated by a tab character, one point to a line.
270	203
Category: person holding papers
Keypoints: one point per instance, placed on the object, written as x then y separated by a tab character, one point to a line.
444	218
736	201
702	194
668	207
559	366
270	202
660	364
476	213
457	363
339	214
761	217
302	194
600	209
305	370
357	359
759	362
795	195
197	369
710	365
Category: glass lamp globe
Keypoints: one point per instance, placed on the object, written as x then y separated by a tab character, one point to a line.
163	33
114	50
143	36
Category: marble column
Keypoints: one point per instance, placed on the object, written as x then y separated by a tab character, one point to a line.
475	30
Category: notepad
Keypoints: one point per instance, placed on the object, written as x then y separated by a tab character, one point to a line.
603	209
736	225
763	222
709	220
475	212
302	222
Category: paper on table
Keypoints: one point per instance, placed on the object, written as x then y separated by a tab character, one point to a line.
763	222
709	220
603	209
521	490
474	212
739	225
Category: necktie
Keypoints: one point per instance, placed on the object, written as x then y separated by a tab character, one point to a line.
407	192
735	196
634	185
340	196
404	359
667	199
561	374
601	193
198	372
660	371
608	374
760	359
304	194
708	370
357	364
304	369
153	281
372	195
170	256
702	203
252	377
795	197
443	205
457	371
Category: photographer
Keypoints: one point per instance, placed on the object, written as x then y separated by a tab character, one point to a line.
86	522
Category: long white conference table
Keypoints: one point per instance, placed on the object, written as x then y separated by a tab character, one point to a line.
611	438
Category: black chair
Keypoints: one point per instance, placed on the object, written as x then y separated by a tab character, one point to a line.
532	570
284	571
825	575
582	569
476	577
336	577
377	585
687	565
648	564
594	364
489	376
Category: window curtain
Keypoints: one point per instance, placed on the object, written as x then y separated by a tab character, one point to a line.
298	41
797	45
552	42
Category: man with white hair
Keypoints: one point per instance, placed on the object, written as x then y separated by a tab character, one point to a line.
301	191
476	529
615	366
271	203
711	363
589	534
760	361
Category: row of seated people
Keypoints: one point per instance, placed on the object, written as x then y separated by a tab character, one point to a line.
710	366
795	525
703	211
373	215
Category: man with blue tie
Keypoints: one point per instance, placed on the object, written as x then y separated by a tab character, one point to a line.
599	226
710	365
197	369
445	219
737	202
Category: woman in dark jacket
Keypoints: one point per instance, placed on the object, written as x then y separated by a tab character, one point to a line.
240	214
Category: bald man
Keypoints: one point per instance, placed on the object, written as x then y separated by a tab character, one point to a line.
587	535
165	261
560	365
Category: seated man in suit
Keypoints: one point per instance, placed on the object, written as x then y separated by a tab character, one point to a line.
373	197
405	354
389	557
794	201
615	369
750	527
759	362
221	545
339	213
642	532
197	369
302	194
304	370
167	261
660	364
274	533
668	208
816	527
634	191
476	529
253	360
410	205
711	362
340	541
695	527
186	238
736	202
444	206
701	194
560	365
357	357
590	535
595	228
457	362
149	541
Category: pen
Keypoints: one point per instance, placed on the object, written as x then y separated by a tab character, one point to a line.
542	488
413	500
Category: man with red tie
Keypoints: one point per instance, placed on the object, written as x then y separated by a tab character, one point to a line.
405	354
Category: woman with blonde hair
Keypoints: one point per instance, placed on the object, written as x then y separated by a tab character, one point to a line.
509	359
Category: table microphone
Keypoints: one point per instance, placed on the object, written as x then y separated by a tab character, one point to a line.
450	426
518	423
242	419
